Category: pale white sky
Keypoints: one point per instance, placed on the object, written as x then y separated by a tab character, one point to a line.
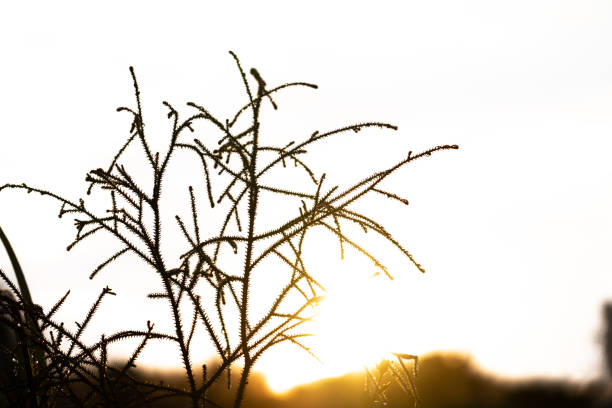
515	228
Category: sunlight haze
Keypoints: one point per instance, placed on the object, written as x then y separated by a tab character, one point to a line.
514	229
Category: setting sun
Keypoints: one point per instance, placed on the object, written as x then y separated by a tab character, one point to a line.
362	319
254	192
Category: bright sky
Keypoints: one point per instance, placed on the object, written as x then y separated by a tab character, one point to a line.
514	229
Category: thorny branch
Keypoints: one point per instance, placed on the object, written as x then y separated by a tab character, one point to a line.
233	169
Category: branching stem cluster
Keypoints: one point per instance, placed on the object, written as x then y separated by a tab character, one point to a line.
134	219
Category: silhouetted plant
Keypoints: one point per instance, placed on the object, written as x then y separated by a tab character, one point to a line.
234	166
402	372
23	363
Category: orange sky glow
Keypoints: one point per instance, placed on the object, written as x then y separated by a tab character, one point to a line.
514	228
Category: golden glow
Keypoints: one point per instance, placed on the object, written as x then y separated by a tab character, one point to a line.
509	229
357	324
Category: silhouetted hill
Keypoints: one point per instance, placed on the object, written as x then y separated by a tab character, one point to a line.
446	380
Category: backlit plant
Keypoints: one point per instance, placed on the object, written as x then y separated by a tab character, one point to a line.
202	289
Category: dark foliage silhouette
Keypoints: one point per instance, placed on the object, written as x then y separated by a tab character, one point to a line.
203	288
607	339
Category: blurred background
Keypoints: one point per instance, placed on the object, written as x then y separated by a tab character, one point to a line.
514	229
